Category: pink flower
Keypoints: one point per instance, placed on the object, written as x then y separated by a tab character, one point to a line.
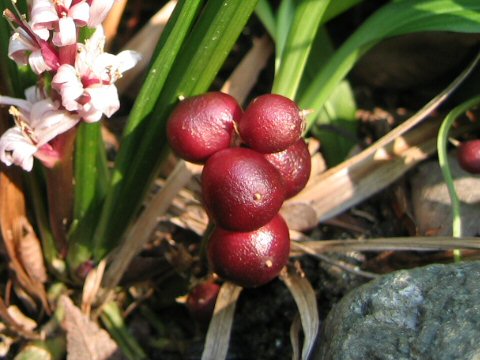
62	16
65	16
98	11
38	122
88	87
26	47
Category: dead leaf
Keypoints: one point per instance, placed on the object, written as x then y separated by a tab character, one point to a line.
218	335
30	252
245	75
15	326
295	337
306	301
22	245
111	22
91	286
142	43
85	339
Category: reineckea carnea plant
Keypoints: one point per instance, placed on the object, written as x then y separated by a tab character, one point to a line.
59	194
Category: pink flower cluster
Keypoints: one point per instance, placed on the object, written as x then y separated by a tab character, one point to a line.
83	76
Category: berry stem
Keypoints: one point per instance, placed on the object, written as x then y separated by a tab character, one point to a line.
447	174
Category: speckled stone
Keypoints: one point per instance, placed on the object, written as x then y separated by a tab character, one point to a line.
425	313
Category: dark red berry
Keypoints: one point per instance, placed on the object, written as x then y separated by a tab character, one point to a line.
202	125
468	155
201	301
241	189
294	164
271	123
250	259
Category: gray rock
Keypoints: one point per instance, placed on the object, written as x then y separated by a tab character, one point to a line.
431	201
424	313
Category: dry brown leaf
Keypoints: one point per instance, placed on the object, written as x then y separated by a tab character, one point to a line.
22	245
411	243
30	251
218	335
113	19
245	75
306	301
15	326
91	286
20	318
295	337
85	339
143	42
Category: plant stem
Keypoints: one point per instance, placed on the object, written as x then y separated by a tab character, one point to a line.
446	172
60	193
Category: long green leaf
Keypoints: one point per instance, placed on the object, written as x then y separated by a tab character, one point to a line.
195	68
91	182
166	52
308	17
396	18
265	14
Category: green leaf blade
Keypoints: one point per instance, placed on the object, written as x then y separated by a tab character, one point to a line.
400	17
201	57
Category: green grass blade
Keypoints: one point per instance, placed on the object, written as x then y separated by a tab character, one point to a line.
91	182
195	68
307	18
285	15
113	320
166	52
396	18
337	7
337	124
265	13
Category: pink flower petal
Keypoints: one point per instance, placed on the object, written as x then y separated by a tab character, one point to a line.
37	62
43	14
104	99
67	34
16	149
20	103
98	11
66	81
20	42
80	12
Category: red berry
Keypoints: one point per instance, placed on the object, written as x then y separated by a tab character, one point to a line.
252	258
468	155
271	123
241	189
201	301
294	164
202	125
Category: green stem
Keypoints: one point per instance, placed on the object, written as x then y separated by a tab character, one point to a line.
444	165
113	320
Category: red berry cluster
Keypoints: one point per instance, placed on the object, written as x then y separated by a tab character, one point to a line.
244	186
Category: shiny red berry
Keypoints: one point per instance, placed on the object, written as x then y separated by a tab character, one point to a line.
250	259
201	125
201	301
271	123
294	164
468	155
241	190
